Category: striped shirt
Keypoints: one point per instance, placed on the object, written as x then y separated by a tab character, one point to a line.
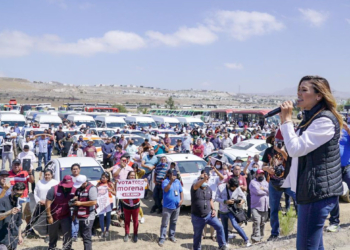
21	176
160	171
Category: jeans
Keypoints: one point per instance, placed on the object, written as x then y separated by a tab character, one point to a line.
85	229
169	215
49	151
287	200
42	156
75	228
198	224
53	233
6	157
334	218
158	196
229	216
58	148
274	201
311	218
101	218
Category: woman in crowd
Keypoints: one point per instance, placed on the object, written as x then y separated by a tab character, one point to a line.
131	209
75	151
139	173
40	192
315	173
222	170
105	181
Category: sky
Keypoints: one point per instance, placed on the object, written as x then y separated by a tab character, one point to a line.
254	46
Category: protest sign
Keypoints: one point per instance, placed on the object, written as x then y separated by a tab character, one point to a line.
104	205
131	189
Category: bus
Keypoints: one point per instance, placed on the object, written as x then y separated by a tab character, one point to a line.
255	115
101	109
222	114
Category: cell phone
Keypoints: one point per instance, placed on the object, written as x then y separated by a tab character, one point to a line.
26	164
7	181
174	173
249	158
207	170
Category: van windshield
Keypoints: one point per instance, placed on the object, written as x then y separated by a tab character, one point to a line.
147	124
91	173
90	124
115	125
12	123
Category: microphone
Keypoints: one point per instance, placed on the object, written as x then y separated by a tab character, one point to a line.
277	110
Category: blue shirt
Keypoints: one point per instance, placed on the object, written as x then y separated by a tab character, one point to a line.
43	145
170	200
161	150
149	162
107	149
344	146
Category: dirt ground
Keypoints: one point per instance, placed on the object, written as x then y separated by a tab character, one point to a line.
149	233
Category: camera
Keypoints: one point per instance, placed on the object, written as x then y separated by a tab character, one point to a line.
237	201
280	144
279	170
71	205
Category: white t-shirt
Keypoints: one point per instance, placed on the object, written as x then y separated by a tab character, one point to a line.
29	155
214	182
131	150
250	167
41	189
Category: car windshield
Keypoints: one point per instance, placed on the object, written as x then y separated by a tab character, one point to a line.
147	124
91	173
193	124
173	140
137	133
97	143
242	145
115	125
12	123
90	124
109	133
190	166
137	141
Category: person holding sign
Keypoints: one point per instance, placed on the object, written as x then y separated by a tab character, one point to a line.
104	206
172	201
131	209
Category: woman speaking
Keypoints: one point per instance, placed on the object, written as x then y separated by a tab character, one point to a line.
315	173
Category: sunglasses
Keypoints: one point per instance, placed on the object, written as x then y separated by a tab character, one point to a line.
123	160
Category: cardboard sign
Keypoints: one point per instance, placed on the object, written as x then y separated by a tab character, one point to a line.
104	205
131	189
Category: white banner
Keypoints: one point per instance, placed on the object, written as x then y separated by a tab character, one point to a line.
131	189
104	205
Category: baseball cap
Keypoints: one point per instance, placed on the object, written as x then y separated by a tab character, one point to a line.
16	161
26	147
221	152
4	172
260	171
126	155
80	180
238	158
67	182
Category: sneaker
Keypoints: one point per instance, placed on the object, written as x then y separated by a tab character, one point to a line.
142	220
333	228
126	238
224	247
161	243
272	238
75	239
153	210
106	234
135	238
172	239
160	211
231	236
47	239
248	244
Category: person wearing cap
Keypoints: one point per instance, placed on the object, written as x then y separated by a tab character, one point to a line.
259	191
221	157
5	188
90	150
7	149
179	147
58	212
85	201
11	219
108	151
59	135
28	142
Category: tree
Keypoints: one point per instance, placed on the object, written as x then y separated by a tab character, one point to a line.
121	108
170	103
143	110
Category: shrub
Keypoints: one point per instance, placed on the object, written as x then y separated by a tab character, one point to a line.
287	221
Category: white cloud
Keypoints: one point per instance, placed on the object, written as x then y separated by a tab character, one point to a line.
315	18
242	25
235	66
348	20
16	43
200	35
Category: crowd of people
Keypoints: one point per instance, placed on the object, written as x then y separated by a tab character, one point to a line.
306	163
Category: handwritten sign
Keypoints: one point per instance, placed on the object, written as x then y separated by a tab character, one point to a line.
131	189
103	200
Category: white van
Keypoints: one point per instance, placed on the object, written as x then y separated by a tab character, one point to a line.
87	120
12	119
167	121
48	119
141	121
110	122
190	121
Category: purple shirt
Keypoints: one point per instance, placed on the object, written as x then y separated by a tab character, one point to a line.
259	193
117	155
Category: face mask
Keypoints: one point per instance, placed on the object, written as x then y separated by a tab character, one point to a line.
131	143
255	169
204	184
151	155
218	166
260	178
80	139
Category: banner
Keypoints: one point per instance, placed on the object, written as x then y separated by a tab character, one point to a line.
131	189
104	205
